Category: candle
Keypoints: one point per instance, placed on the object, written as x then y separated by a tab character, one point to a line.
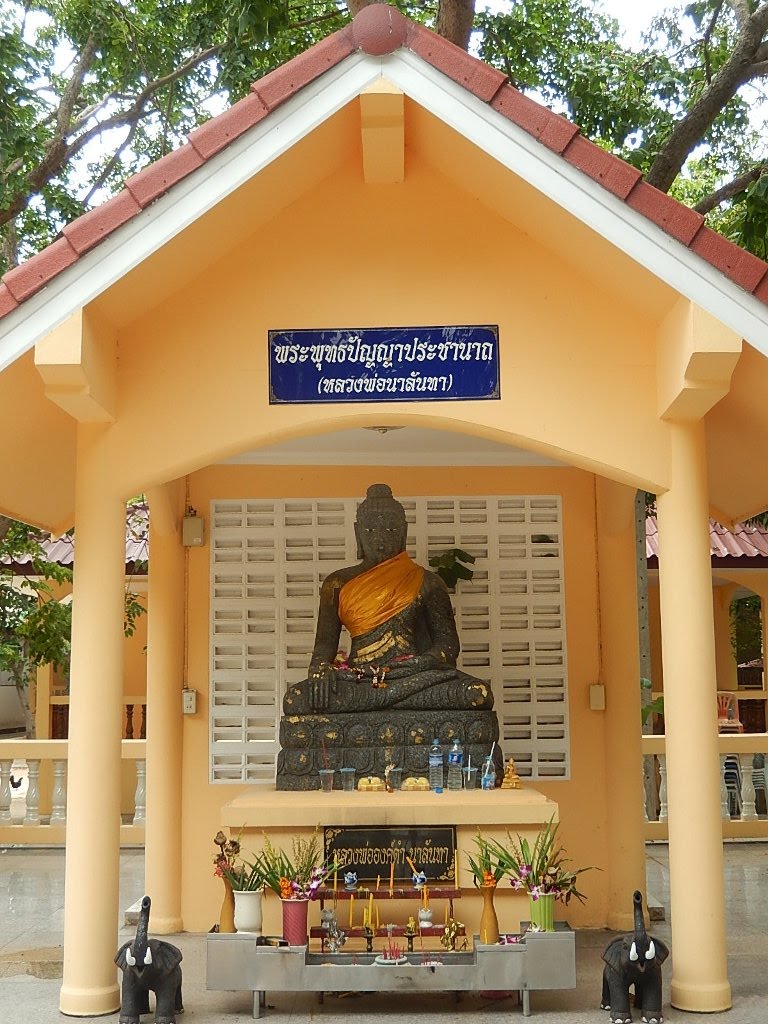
377	917
411	865
378	882
370	908
446	914
426	897
351	907
391	877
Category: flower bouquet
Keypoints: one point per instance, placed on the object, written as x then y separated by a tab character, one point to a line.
540	869
242	875
298	875
486	865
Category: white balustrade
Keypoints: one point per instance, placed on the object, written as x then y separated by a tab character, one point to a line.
59	793
24	815
738	797
32	817
5	792
140	796
663	810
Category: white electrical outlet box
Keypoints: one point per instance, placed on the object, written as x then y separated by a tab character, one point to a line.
192	531
597	697
189	701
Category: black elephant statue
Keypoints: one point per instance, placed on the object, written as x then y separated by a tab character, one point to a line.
634	959
149	965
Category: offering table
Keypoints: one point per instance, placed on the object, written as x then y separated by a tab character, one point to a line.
281	816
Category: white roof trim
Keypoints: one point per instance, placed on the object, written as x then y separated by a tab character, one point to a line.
512	147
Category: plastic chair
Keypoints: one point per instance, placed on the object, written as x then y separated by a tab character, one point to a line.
732	777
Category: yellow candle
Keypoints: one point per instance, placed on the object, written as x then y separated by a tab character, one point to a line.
446	914
377	917
378	882
351	907
370	908
426	898
391	877
335	876
411	865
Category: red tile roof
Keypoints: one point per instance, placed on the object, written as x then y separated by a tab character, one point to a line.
742	542
379	29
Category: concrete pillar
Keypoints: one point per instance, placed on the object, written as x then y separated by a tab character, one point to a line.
620	673
699	980
165	669
91	911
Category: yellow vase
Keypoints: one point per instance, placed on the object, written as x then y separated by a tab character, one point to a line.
227	914
489	924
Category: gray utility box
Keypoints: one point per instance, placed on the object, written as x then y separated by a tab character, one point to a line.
540	961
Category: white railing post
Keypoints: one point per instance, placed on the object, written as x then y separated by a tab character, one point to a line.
5	792
32	817
649	787
748	810
663	787
140	797
59	793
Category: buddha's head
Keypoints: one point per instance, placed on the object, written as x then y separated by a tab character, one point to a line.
380	528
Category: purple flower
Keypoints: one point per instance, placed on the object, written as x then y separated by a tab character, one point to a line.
534	892
525	870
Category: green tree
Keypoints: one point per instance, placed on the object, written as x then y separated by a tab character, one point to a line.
92	90
35	626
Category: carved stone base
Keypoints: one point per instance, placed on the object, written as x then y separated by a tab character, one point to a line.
361	741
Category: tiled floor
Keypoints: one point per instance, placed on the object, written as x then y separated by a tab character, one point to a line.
32	899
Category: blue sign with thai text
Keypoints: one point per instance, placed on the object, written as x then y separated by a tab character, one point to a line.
384	364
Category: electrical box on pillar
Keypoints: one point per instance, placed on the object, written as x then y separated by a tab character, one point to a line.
192	529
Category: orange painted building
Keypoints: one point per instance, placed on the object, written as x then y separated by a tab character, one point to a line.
386	179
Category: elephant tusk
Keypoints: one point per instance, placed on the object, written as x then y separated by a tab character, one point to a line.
633	952
651	951
130	959
148	957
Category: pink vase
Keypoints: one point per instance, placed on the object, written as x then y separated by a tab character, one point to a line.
295	922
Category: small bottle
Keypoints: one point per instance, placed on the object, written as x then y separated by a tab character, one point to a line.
455	765
436	766
488	778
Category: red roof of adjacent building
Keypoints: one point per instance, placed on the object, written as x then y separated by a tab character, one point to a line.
741	543
377	30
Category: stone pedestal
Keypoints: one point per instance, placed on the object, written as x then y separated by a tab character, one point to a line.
361	741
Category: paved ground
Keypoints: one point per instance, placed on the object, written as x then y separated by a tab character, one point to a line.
31	928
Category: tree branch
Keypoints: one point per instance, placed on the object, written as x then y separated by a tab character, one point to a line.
689	130
706	38
731	189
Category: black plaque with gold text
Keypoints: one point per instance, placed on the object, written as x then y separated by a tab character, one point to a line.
372	851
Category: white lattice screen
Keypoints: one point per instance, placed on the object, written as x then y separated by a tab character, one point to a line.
268	559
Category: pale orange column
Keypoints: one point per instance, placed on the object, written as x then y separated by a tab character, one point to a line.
699	980
91	910
165	667
620	673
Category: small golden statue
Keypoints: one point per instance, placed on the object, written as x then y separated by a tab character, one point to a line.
511	779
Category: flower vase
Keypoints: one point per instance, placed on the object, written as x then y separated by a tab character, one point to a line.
248	914
543	912
295	922
489	924
227	913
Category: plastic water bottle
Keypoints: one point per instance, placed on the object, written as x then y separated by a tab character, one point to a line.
436	766
455	765
488	778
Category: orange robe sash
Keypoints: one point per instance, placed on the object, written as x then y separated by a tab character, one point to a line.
371	599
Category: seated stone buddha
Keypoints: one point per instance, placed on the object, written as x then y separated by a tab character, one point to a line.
399	685
401	623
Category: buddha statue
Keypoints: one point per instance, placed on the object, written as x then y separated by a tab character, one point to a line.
401	623
399	685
